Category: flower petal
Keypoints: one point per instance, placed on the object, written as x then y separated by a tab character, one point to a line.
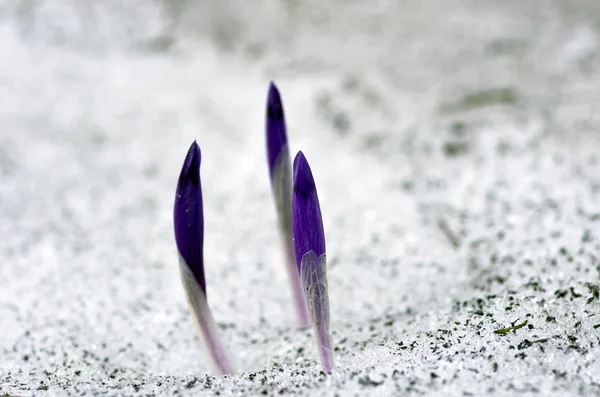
280	172
313	271
204	321
188	215
275	128
306	212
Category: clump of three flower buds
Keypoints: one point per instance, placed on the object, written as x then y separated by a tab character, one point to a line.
300	228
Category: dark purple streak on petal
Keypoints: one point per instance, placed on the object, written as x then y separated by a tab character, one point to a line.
276	131
306	212
188	217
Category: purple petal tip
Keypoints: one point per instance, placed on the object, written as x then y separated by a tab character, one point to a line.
190	170
304	183
188	217
306	212
276	130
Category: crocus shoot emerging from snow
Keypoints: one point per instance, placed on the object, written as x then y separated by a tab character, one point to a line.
280	170
188	219
309	246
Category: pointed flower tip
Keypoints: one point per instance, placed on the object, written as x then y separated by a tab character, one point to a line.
304	183
188	217
273	89
309	234
274	96
275	126
191	165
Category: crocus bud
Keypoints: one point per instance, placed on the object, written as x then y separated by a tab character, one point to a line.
280	172
188	220
309	246
188	217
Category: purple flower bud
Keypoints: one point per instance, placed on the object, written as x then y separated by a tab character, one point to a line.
189	236
309	245
306	212
278	155
280	172
188	216
276	132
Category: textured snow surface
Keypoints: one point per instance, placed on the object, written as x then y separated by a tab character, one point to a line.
455	147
